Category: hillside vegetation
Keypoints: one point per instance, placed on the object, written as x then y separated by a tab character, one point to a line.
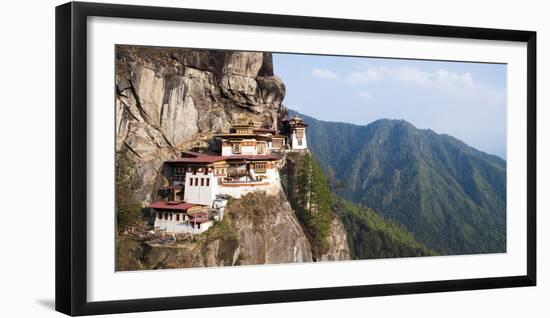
368	235
451	196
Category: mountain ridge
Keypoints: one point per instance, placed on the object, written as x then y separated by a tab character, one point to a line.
309	118
451	196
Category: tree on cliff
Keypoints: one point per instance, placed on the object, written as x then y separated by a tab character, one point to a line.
311	198
128	208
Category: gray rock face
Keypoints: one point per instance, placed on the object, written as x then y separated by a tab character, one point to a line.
262	230
166	98
258	229
338	243
268	231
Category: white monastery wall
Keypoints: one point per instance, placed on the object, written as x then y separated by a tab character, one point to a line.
200	193
294	142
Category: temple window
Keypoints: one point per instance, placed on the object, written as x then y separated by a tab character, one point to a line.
260	148
260	168
236	148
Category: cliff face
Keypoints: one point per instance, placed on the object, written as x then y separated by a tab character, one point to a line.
268	231
167	98
257	229
338	247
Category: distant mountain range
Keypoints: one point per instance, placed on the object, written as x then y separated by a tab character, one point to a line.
450	196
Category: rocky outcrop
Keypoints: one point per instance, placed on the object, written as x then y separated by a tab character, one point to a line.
257	229
338	242
167	98
268	231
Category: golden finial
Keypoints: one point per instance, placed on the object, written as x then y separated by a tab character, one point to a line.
242	119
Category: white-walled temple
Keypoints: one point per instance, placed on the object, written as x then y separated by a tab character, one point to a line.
249	160
181	217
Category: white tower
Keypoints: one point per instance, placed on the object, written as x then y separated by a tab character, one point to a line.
297	133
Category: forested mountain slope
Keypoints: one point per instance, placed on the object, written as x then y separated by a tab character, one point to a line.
451	196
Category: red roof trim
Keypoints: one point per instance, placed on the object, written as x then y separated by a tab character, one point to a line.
252	157
212	159
191	154
198	159
170	206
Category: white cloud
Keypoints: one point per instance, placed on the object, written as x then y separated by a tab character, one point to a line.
464	80
409	74
367	76
325	74
461	85
364	94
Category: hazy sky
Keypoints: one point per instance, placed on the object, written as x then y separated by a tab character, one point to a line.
465	100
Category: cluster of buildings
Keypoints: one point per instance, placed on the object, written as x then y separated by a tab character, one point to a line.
199	183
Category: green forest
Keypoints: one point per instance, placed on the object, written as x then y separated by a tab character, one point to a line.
369	235
450	196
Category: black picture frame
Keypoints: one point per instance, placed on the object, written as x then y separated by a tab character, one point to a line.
71	157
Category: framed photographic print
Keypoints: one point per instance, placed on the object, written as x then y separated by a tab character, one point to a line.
208	158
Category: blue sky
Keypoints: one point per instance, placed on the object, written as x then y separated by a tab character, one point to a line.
465	100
